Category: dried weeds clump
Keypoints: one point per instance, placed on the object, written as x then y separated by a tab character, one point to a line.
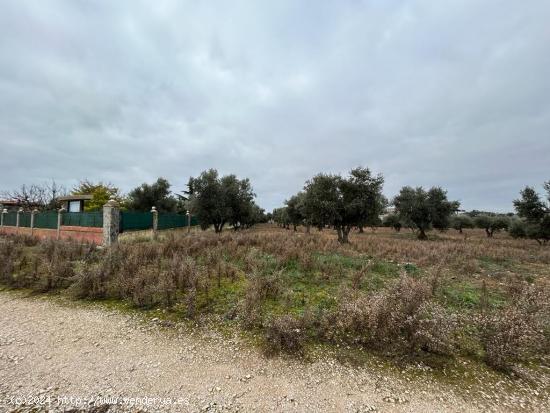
459	297
285	334
517	332
400	318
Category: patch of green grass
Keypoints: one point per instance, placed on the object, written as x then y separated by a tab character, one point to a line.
467	295
494	264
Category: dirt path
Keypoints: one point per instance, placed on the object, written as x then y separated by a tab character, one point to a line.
54	351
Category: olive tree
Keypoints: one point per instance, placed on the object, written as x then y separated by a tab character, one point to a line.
344	202
218	201
393	221
461	222
424	210
492	224
296	210
535	214
157	195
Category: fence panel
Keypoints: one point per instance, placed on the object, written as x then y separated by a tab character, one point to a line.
83	219
25	219
168	220
135	221
46	220
10	219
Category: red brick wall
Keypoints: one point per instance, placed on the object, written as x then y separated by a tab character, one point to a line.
89	234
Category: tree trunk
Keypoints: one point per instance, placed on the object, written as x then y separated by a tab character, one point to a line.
460	230
340	236
361	230
422	234
343	234
308	228
295	227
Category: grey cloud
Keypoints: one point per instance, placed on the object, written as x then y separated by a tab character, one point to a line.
452	93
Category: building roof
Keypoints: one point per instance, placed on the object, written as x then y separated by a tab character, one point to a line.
9	202
75	198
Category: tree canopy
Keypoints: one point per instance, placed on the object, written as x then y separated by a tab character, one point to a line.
461	222
223	200
344	202
492	224
424	210
100	192
535	213
157	195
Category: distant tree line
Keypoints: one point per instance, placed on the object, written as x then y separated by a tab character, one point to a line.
356	201
327	200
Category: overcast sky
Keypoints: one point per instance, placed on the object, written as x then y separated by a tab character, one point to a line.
449	93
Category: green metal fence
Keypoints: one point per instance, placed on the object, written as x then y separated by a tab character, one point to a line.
10	219
25	219
135	221
83	219
46	220
167	221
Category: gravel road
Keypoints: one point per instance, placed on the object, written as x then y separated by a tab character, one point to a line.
58	356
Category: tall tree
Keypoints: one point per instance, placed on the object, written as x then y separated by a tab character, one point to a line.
425	210
295	208
223	200
344	203
535	212
100	192
157	195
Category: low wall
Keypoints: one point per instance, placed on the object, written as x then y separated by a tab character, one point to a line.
89	234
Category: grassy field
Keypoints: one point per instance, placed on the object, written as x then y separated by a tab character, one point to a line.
454	296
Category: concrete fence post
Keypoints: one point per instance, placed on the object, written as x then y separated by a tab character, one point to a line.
155	222
4	212
188	221
18	219
59	222
111	222
33	214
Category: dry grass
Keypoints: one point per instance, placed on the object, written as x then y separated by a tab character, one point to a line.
451	295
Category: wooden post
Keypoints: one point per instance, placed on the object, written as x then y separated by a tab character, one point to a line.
155	221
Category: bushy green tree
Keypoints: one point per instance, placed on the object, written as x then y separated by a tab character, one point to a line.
492	224
518	228
101	193
424	210
295	209
217	201
344	203
157	195
461	222
280	217
535	213
393	221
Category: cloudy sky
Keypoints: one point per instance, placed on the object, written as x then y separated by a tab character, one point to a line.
453	93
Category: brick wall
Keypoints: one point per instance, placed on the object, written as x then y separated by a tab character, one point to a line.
89	234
